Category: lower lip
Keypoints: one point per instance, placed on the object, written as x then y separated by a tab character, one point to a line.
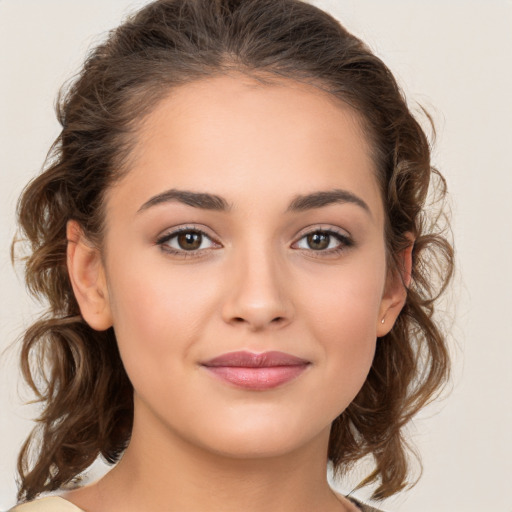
261	378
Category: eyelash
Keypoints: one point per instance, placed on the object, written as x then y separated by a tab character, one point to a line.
344	242
166	238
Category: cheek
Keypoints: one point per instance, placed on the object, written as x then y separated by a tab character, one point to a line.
346	299
343	309
157	312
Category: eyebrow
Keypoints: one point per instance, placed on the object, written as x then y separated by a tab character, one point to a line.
195	199
214	202
325	198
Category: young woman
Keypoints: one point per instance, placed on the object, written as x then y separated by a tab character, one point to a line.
241	274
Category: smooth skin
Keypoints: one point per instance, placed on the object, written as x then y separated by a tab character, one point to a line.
285	253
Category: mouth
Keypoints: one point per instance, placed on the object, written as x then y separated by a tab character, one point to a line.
256	372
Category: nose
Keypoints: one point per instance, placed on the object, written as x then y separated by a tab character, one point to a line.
257	295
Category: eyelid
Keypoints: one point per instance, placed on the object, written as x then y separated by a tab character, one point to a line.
171	233
327	228
345	239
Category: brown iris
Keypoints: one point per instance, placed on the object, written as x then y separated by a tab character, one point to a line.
190	240
318	240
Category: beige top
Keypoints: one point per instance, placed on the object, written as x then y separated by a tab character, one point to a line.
58	504
49	504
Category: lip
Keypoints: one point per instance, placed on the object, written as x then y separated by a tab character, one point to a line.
263	371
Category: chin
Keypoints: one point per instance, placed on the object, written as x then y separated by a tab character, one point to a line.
261	437
253	447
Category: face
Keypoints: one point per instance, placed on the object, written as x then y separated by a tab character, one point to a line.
244	267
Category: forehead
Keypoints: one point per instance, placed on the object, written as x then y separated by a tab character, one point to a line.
234	136
240	105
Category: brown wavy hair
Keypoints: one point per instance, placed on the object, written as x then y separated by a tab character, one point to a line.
75	371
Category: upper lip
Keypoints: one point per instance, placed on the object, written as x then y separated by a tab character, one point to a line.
244	359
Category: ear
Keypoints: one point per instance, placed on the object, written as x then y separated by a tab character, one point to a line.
395	292
87	276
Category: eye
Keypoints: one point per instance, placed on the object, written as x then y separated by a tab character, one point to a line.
186	240
322	240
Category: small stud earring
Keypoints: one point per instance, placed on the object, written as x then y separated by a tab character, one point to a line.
382	321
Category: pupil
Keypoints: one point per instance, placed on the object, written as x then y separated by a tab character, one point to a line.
318	241
189	241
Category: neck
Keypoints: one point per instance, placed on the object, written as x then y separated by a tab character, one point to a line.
162	471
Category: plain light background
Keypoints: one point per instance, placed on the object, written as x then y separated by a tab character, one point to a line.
455	58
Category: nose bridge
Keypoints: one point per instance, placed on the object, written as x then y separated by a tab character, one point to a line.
257	294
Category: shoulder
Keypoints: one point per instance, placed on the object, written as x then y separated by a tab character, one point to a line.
363	507
49	504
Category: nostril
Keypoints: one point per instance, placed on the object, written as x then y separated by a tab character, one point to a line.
276	320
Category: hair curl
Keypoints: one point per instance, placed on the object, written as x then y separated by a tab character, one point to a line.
77	372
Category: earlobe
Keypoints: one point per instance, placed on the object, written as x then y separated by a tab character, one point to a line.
395	293
87	276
